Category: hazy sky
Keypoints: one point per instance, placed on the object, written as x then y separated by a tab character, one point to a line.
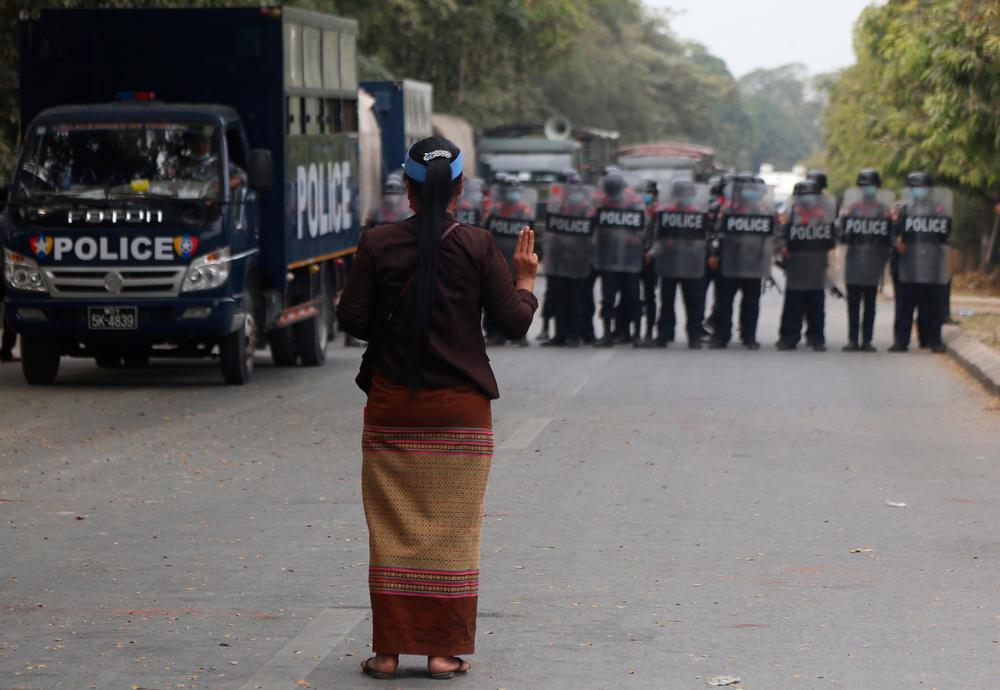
749	34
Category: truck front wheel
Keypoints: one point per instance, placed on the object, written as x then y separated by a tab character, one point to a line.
39	359
312	335
237	350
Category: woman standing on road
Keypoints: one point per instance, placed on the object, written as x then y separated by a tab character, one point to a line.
416	293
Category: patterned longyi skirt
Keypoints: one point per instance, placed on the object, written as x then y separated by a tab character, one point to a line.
427	457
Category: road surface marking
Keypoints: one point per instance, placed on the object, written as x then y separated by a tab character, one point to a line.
601	357
305	651
526	433
573	385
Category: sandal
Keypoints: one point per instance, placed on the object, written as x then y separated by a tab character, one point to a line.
380	675
463	667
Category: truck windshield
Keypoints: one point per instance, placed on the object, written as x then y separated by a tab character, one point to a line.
111	160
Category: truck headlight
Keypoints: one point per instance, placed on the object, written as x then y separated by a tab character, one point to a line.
207	271
22	273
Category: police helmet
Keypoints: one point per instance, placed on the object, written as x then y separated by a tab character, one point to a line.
805	187
613	184
918	178
394	183
611	170
819	177
682	189
869	177
567	175
648	186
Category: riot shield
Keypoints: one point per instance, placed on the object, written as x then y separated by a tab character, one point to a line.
511	208
925	227
469	210
865	234
808	239
619	232
680	232
569	228
746	230
393	208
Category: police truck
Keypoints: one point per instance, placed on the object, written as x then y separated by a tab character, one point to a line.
186	186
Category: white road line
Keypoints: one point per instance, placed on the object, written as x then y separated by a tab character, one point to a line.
571	386
601	357
313	644
525	434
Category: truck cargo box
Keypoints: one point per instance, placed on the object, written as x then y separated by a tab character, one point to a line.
289	74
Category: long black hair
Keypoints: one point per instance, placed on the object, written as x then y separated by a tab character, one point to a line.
434	195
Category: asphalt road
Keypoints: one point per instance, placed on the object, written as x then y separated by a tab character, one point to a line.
654	519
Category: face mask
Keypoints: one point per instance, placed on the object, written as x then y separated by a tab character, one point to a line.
685	201
807	201
919	193
512	197
869	191
575	197
648	198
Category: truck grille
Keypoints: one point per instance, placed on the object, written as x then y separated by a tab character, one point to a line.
131	281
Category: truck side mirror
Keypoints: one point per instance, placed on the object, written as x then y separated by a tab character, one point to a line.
260	175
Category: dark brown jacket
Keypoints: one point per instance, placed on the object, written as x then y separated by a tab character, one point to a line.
472	275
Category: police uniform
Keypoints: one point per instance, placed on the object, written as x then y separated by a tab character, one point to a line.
693	295
567	296
863	297
749	289
618	322
713	275
811	303
931	299
517	210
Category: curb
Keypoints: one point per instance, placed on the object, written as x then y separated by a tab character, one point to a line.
976	358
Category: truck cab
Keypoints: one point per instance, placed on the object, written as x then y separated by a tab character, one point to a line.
133	225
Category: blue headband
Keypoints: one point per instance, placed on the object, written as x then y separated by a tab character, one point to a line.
417	171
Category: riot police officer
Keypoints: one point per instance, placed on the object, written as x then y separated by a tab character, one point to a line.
679	242
511	207
469	209
743	253
568	243
394	206
618	243
866	232
549	308
717	188
805	242
923	241
649	190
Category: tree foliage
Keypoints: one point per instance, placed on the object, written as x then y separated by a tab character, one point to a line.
612	64
784	109
925	93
